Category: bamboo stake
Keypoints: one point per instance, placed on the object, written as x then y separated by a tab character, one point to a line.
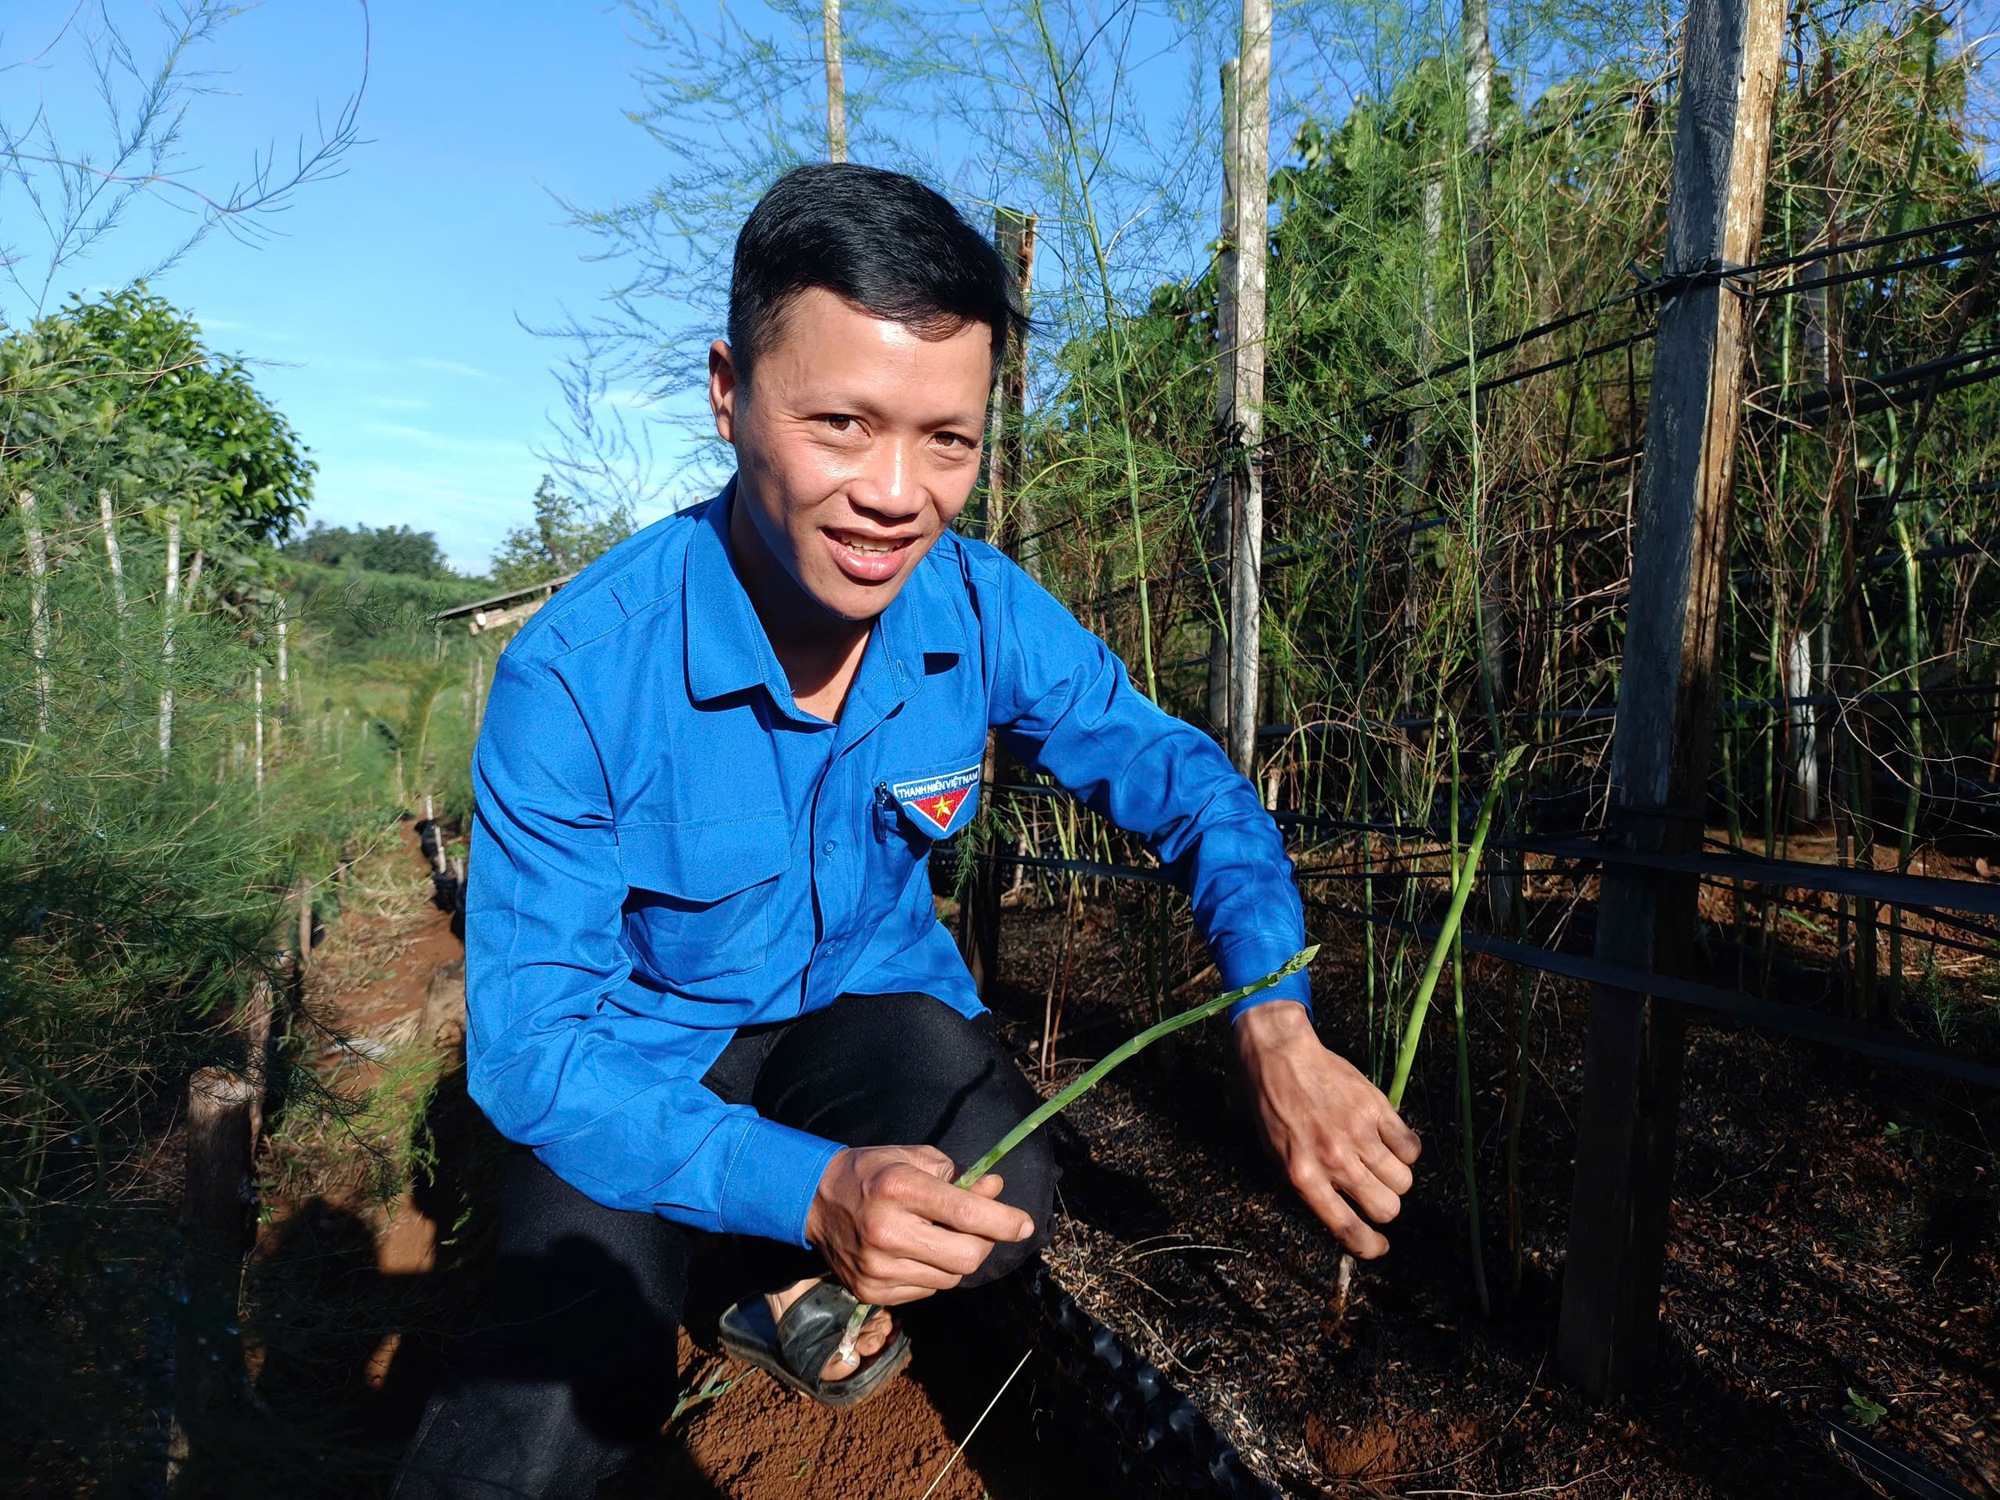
260	739
1253	207
278	719
38	609
167	641
1222	497
836	83
305	930
108	520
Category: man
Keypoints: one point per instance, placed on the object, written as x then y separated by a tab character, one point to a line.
709	991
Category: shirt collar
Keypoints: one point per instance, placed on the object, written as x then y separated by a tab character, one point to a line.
728	651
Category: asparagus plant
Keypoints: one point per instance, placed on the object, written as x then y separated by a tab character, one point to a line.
1083	1084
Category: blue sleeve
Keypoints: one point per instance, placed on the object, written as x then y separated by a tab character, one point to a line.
560	1052
1067	707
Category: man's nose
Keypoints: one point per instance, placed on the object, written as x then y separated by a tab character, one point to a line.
887	485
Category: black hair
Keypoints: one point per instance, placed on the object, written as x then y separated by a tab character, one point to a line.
878	239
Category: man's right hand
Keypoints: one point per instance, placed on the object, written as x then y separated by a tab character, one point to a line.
894	1229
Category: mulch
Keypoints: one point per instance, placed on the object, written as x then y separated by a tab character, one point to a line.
1834	1254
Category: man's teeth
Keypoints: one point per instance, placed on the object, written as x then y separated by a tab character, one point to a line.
873	549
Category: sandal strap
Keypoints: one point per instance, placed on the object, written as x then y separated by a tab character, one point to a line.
812	1327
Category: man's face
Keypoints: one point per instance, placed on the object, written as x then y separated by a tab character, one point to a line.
857	443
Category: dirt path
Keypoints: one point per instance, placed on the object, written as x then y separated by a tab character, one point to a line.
383	1219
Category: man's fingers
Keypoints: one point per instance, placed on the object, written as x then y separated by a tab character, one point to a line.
890	1281
1402	1140
970	1212
1370	1194
1388	1167
932	1162
988	1186
1346	1225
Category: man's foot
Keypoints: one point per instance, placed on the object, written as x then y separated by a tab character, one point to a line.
867	1344
796	1334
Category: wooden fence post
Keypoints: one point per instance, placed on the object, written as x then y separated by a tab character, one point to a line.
215	1232
258	1007
1731	56
1009	525
1246	553
836	82
1222	498
215	1202
38	609
167	640
259	691
284	696
1010	515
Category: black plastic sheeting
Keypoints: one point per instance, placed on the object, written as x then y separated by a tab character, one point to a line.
1157	1436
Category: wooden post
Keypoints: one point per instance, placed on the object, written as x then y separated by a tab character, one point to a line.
836	83
167	640
1659	759
215	1202
259	691
38	609
215	1232
1246	553
284	674
1804	724
305	933
1222	501
1009	524
1010	514
108	520
256	1023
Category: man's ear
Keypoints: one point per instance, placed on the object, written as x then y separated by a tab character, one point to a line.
723	390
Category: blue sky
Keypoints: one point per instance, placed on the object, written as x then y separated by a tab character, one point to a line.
383	314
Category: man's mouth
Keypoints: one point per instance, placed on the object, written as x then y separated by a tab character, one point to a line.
865	558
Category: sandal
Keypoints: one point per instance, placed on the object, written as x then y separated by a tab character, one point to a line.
796	1349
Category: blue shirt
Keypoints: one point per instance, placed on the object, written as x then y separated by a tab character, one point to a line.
666	848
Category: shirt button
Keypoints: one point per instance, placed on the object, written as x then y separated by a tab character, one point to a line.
827	847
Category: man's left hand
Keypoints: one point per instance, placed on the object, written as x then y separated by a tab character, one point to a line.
1329	1127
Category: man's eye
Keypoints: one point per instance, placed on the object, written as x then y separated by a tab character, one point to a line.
838	423
957	440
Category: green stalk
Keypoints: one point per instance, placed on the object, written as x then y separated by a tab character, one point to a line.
1113	331
1913	680
1087	1081
1123	1053
1461	892
1466	1135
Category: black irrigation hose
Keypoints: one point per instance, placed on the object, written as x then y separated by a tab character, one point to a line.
1157	1431
1896	1471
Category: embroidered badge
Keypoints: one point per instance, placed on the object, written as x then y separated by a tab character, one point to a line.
940	805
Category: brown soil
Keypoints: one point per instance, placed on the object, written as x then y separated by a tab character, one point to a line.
362	1278
1836	1239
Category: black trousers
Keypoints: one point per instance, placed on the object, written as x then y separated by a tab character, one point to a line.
573	1362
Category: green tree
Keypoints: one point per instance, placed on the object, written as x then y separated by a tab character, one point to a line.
566	535
373	549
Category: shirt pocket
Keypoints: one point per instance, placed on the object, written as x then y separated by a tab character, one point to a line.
699	902
895	822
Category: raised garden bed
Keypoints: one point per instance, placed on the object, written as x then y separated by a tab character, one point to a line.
1835	1249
